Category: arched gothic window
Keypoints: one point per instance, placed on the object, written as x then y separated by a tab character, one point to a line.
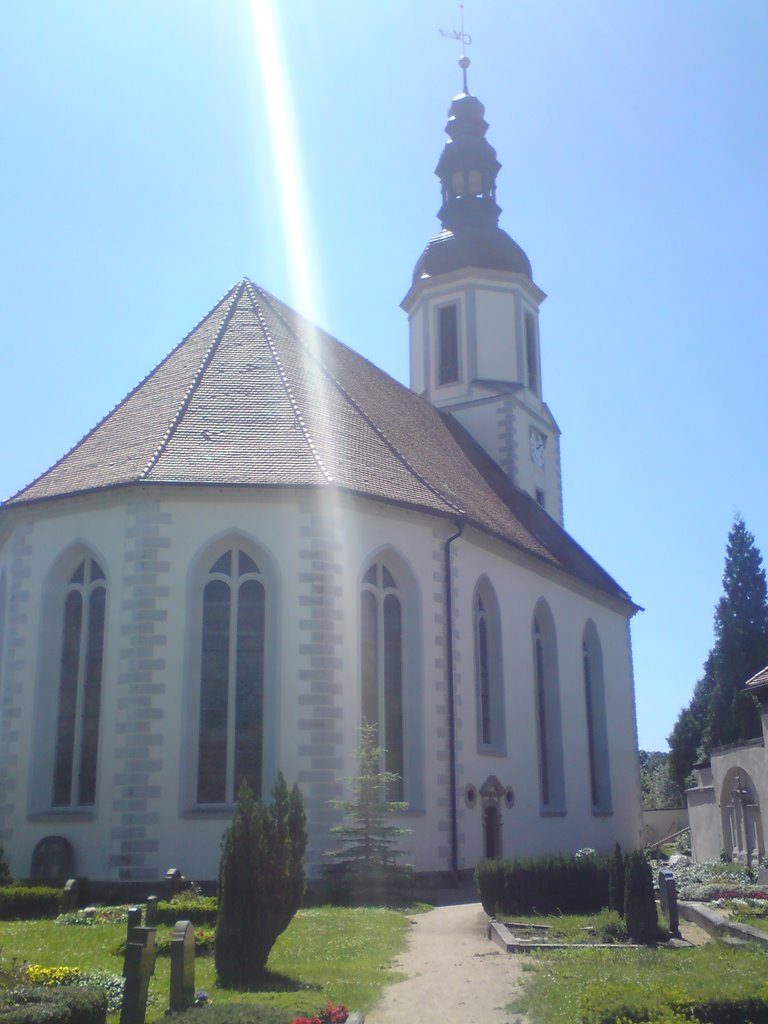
547	692
597	730
381	640
230	743
76	743
489	682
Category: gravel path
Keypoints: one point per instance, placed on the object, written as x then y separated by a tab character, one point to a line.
455	975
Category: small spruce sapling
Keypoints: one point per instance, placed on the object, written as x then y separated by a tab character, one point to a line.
367	868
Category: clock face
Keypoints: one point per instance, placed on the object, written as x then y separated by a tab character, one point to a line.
538	442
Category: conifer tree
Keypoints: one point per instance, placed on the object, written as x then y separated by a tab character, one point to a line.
639	903
5	873
720	710
261	881
367	858
616	881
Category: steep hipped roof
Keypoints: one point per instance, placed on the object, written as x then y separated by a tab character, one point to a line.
257	396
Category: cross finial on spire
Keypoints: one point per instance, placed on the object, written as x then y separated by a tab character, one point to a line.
465	40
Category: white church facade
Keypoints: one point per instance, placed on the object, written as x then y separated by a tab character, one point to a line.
270	541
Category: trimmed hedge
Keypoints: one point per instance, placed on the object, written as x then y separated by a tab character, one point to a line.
232	1013
197	909
42	1004
19	902
543	885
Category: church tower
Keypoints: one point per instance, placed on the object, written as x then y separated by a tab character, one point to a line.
473	311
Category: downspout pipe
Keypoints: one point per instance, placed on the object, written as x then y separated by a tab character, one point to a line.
454	810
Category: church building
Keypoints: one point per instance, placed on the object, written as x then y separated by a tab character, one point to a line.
270	541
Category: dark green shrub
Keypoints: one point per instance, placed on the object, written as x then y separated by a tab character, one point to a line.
35	1013
65	1005
609	927
616	881
261	881
22	902
543	885
5	871
232	1013
639	903
188	907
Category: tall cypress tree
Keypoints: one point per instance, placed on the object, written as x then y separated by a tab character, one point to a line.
720	710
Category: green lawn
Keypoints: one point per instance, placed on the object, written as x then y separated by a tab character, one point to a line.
583	986
326	954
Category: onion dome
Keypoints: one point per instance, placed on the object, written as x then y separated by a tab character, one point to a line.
467	170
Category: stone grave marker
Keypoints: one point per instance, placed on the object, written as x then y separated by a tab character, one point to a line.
668	900
182	966
138	968
151	916
71	898
134	921
173	880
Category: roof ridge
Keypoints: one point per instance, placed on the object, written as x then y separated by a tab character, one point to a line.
360	411
283	377
117	405
204	364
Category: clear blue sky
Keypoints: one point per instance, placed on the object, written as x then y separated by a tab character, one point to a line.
138	182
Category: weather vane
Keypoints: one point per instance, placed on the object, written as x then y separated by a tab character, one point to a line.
465	40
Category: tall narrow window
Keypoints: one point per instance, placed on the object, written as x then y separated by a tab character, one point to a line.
3	613
447	345
597	730
541	710
488	671
381	639
76	744
483	670
230	745
531	353
547	693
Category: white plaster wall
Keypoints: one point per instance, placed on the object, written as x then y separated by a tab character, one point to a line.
276	521
526	831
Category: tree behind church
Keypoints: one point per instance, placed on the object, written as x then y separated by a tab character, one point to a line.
720	711
261	881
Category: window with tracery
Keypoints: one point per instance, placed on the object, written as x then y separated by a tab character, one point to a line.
76	745
381	645
232	664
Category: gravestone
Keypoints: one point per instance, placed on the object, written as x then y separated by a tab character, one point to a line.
151	915
52	861
138	968
173	880
668	900
182	966
71	898
134	921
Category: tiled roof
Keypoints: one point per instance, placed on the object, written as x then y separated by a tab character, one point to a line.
256	396
760	679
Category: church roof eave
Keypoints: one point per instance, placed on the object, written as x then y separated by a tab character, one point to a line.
462	273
